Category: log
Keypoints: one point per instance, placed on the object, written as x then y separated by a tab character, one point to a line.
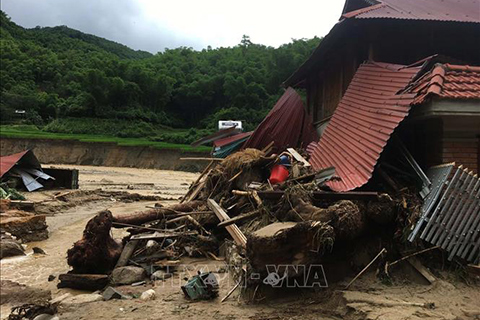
90	282
126	253
158	213
97	252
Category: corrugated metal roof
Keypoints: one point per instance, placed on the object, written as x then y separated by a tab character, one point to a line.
287	125
8	162
448	81
444	10
365	118
223	142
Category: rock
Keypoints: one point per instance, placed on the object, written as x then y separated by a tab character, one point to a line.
128	275
110	293
82	298
148	295
45	316
160	275
151	243
38	250
10	248
51	277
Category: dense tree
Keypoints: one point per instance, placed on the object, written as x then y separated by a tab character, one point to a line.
58	72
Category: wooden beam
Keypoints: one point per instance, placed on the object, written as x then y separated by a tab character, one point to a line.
161	235
325	195
238	218
201	159
206	172
298	157
233	229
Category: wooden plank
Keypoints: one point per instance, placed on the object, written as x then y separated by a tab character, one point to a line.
161	235
200	159
324	195
417	265
233	229
126	253
206	172
298	157
238	218
197	190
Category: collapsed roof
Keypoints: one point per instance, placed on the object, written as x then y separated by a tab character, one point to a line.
287	125
362	124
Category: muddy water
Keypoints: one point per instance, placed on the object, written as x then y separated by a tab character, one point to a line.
67	226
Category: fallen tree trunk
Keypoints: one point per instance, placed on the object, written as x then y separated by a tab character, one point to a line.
90	282
158	213
97	252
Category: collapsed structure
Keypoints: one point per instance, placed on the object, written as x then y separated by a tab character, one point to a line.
389	110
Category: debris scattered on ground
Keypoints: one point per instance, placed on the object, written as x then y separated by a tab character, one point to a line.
253	219
203	286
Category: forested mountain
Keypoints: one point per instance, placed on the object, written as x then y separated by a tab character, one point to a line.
56	73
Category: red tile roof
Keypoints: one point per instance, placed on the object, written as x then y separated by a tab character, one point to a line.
439	10
448	81
287	125
362	124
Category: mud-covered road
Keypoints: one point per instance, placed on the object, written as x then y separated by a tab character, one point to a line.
367	299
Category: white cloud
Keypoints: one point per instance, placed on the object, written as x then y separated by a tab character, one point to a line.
153	25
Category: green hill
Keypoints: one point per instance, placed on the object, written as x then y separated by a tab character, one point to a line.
61	76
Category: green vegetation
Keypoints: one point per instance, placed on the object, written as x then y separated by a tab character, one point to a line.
71	83
32	132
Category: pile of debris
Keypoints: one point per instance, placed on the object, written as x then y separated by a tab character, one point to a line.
268	209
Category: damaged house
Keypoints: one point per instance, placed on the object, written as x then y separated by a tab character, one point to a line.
393	60
397	82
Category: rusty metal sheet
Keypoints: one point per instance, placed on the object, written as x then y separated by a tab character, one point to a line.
363	122
288	125
445	10
26	157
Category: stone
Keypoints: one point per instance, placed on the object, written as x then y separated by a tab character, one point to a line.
46	316
160	275
128	275
82	298
51	277
110	293
148	295
10	248
38	250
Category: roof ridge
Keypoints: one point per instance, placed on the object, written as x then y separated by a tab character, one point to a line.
354	13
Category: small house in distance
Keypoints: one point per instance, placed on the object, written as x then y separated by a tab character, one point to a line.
404	66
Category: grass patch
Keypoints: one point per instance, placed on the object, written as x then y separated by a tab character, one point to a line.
32	132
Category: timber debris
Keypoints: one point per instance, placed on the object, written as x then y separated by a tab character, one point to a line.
255	209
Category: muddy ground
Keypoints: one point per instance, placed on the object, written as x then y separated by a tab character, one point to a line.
368	298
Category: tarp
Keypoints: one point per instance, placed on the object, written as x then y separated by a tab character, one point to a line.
288	125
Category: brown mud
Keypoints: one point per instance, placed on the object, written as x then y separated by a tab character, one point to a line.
103	154
368	298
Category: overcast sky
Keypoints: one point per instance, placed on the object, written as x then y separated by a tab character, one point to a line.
153	25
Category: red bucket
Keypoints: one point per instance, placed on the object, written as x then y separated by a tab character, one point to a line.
279	174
